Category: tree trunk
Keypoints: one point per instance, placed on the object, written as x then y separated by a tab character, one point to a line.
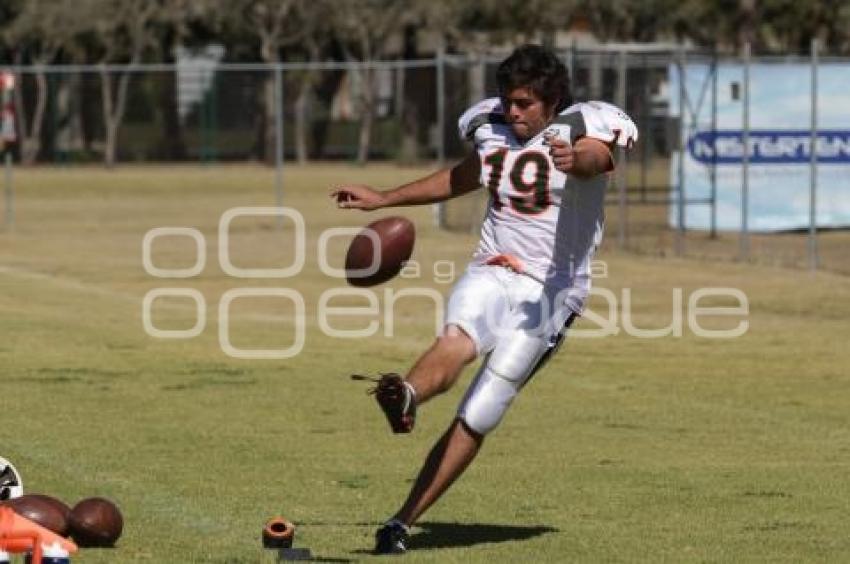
77	141
173	144
409	150
113	112
302	119
407	110
258	150
109	150
68	136
90	109
367	117
365	138
106	101
270	124
303	103
746	22
326	88
31	131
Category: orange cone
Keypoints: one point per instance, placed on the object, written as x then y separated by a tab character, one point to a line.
19	534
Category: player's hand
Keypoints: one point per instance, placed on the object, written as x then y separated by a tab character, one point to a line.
561	152
358	197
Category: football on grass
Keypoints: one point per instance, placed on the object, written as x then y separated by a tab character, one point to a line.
379	251
49	512
96	522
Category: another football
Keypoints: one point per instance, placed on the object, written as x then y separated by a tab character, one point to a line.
49	512
379	251
96	522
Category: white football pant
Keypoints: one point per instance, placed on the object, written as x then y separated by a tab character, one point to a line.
515	321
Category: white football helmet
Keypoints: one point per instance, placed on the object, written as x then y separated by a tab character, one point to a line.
11	485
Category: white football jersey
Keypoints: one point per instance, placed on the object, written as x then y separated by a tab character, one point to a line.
549	220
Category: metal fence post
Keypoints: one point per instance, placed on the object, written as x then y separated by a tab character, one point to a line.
441	104
646	125
714	72
440	208
596	74
10	191
621	178
399	92
813	226
278	137
745	161
7	137
683	147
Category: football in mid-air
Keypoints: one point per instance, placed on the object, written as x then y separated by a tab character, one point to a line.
96	522
379	251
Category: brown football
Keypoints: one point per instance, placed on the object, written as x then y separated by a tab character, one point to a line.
379	251
49	512
96	522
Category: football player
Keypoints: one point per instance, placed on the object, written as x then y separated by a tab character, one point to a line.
545	162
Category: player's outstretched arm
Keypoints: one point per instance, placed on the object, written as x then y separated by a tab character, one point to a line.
444	184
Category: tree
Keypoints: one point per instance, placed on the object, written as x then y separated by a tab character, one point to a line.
181	22
117	31
726	24
315	21
364	28
269	26
37	35
789	27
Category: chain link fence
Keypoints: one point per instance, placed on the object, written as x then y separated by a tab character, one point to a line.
200	110
226	112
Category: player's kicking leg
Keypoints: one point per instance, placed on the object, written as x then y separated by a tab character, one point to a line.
434	373
478	296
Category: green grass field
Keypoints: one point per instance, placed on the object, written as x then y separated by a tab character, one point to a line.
624	449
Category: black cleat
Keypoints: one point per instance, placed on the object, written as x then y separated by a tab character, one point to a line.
396	400
391	539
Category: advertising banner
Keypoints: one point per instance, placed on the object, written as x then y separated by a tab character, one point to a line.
780	114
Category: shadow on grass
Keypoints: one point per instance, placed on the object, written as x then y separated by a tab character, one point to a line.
449	535
455	535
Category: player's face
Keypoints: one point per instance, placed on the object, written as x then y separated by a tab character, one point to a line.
527	114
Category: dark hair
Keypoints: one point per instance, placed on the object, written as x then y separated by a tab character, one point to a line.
539	69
